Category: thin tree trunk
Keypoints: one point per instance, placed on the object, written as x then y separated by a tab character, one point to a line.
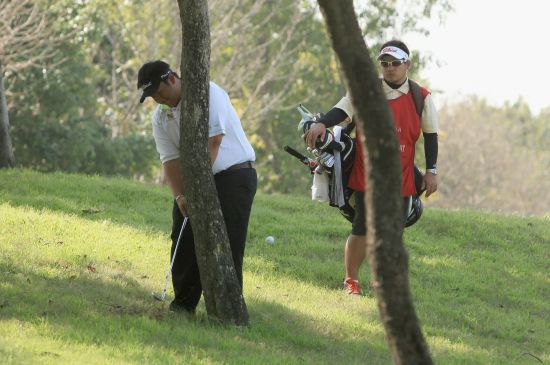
222	291
7	158
387	255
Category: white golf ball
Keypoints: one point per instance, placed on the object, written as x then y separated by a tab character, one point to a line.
270	239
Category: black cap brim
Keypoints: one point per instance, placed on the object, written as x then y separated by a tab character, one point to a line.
143	96
149	91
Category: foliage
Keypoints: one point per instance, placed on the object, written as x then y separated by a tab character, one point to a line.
269	56
26	36
82	104
55	123
383	20
95	248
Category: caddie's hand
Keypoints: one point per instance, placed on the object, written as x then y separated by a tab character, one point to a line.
182	204
429	182
317	130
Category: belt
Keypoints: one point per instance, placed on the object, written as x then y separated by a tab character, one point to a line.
242	165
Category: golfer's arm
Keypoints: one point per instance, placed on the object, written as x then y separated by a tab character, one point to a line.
214	143
172	173
172	169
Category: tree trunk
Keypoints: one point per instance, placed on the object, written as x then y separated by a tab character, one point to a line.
222	291
7	158
385	250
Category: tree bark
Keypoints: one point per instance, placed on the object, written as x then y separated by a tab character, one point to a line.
387	256
7	158
222	291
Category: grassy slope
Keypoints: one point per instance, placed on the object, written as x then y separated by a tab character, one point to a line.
79	257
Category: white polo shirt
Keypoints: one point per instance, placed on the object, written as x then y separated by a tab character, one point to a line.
222	119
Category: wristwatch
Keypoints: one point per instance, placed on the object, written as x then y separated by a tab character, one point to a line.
432	171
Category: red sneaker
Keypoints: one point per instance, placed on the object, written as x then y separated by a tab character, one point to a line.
352	286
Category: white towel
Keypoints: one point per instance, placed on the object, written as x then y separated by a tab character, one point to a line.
337	191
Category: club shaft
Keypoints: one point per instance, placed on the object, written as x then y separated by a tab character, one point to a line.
177	243
297	154
174	256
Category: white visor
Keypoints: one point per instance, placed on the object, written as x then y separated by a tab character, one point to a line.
395	52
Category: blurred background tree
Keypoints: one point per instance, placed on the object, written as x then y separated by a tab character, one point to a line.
494	158
25	41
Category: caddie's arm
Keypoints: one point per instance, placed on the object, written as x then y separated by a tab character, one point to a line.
317	130
342	112
430	124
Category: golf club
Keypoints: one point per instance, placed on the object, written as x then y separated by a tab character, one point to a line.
161	296
312	164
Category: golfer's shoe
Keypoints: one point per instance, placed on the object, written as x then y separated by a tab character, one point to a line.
352	286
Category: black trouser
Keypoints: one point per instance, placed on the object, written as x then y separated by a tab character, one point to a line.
236	191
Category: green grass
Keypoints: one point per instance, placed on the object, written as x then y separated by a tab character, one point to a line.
79	257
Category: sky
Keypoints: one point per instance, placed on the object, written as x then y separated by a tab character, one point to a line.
497	49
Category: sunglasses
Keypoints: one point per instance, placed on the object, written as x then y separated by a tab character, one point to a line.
395	63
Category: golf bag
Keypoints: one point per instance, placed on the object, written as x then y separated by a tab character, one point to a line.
333	160
331	164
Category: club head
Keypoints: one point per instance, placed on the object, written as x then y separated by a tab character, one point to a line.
159	296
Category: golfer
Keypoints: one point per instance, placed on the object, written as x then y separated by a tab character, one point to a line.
395	62
233	166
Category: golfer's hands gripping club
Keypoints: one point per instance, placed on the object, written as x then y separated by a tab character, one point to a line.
182	204
317	130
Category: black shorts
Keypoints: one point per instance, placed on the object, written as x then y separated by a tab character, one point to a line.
359	225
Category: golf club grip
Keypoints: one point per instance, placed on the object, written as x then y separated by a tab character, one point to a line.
297	154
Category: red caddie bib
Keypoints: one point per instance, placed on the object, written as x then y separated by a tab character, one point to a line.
407	124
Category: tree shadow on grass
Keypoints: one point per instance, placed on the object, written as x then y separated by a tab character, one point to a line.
468	282
493	319
484	289
97	314
86	308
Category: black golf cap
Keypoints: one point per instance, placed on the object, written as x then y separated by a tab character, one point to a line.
150	76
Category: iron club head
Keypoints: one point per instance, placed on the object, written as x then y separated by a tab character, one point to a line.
159	296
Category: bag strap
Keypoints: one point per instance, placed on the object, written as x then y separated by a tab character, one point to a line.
349	128
417	97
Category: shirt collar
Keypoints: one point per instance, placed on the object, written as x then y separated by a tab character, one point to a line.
165	107
403	89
